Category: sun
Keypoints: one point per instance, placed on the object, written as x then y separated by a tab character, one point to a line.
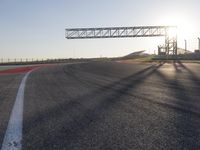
185	26
172	32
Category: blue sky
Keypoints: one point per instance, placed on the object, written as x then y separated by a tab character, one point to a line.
36	28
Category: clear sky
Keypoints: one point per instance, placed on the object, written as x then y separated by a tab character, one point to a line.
36	28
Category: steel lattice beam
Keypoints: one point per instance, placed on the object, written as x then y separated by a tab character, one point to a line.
116	32
126	32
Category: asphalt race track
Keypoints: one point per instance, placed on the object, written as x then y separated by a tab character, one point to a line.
106	106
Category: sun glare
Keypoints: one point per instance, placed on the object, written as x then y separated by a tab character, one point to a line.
185	27
172	32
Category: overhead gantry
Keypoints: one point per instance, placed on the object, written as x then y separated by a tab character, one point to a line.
169	32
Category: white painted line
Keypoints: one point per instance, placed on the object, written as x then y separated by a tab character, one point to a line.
13	137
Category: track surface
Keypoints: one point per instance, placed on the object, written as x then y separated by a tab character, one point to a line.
107	106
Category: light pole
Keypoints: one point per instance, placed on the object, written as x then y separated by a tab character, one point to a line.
185	46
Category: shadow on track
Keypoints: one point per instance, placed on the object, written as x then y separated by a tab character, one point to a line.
186	121
80	117
178	70
193	76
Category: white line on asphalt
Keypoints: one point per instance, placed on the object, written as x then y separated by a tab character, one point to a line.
13	137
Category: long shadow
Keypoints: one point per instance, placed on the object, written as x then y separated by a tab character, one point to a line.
172	84
178	70
86	80
80	116
179	91
187	126
193	76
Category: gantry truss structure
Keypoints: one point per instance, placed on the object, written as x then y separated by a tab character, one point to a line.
170	46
